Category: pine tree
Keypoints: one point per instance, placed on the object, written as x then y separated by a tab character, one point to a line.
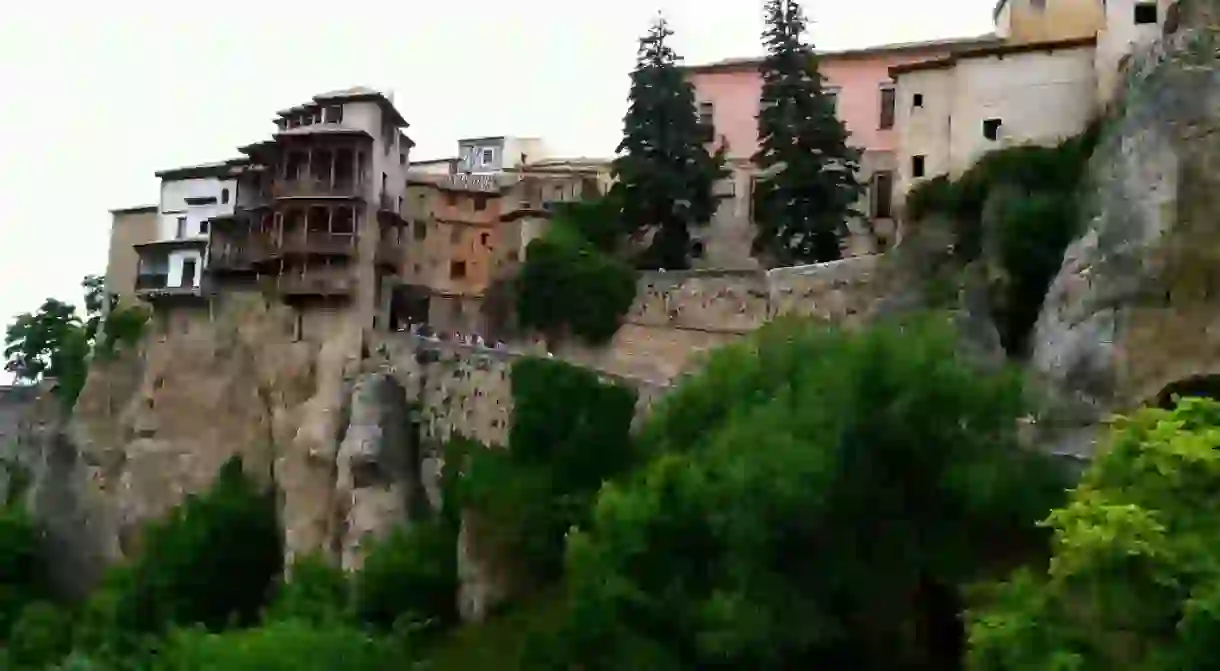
809	189
664	174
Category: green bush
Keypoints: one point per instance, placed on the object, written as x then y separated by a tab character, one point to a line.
41	636
123	328
22	579
1033	226
1134	582
318	592
816	501
568	285
570	432
411	575
214	560
288	646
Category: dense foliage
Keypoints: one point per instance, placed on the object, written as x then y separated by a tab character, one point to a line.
1016	210
664	174
572	282
569	434
815	501
55	341
410	574
810	190
1134	582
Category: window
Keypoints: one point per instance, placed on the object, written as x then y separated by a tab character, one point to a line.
421	230
224	196
480	202
487	157
203	227
707	121
917	166
1145	13
917	100
450	198
887	107
696	249
991	129
298	325
181	227
483	239
333	114
883	194
188	273
402	159
457	270
512	256
417	269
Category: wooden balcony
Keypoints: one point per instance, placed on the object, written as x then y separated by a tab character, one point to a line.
319	244
312	283
153	286
316	188
391	253
233	258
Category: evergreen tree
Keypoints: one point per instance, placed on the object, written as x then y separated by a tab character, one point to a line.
665	173
809	190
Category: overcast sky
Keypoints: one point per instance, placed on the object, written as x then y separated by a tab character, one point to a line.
97	96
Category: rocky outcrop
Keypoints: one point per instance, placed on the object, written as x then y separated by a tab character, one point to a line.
1133	308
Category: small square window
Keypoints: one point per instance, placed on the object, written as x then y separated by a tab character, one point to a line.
457	270
203	227
917	100
480	202
483	239
487	157
224	196
991	129
1145	13
917	165
421	230
402	159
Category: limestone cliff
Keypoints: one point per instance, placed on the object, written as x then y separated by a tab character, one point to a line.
1133	310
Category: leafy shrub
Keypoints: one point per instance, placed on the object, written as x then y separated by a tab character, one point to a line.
213	560
41	636
22	579
569	434
816	499
290	645
1134	582
123	328
1033	225
318	592
410	575
568	285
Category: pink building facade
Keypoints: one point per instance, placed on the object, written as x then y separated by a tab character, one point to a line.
727	93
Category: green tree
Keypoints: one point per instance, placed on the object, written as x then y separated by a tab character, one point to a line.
22	579
212	561
1134	581
41	636
810	191
816	499
318	592
411	575
664	174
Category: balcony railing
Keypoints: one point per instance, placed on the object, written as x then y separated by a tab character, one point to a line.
323	244
310	187
313	283
147	281
151	286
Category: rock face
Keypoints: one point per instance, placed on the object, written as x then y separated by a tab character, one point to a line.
1133	310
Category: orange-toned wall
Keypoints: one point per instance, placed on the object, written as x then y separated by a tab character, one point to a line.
734	96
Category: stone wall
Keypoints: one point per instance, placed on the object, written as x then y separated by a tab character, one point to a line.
679	316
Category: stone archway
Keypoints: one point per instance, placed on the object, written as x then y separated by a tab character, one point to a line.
1196	385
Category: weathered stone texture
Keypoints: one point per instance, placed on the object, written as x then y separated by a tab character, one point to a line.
1133	308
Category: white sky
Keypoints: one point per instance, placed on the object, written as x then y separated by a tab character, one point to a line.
97	96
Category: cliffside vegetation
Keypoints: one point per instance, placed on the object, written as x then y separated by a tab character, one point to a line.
574	280
55	341
1014	212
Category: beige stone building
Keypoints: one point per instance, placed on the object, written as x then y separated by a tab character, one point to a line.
129	226
312	216
1054	72
471	219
